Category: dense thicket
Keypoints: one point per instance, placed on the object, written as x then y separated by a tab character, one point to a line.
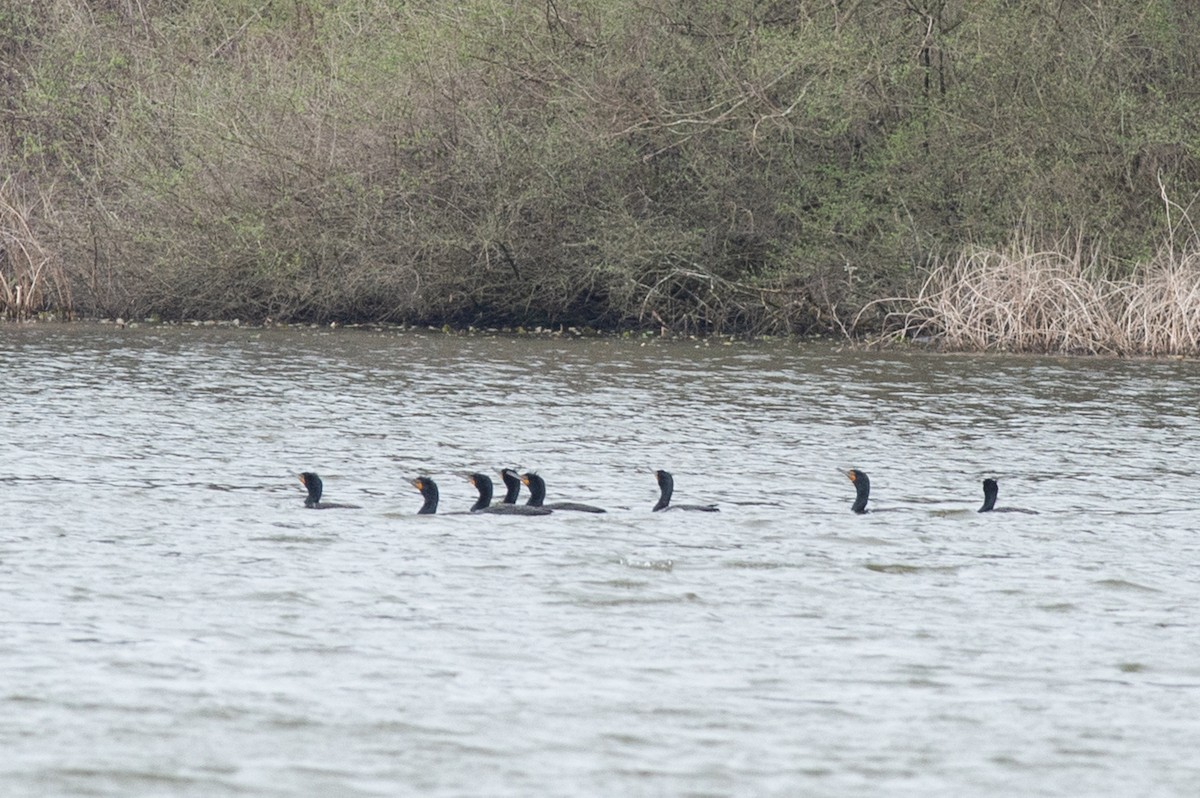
699	164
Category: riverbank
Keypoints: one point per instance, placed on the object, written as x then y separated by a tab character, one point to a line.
615	165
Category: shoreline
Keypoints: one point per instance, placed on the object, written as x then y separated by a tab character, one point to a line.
876	343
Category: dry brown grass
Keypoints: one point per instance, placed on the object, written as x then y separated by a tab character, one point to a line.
1031	299
1160	307
31	280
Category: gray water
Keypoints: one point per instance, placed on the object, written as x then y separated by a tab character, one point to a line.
176	623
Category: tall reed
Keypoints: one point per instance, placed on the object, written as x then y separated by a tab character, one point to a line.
1058	299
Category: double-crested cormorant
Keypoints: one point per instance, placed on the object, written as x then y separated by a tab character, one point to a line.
429	490
512	485
666	486
862	485
537	497
483	484
314	486
991	489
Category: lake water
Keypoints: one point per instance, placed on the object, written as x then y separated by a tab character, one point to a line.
175	622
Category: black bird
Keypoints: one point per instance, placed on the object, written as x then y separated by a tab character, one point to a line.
483	484
991	489
429	490
512	485
537	497
666	485
862	484
315	486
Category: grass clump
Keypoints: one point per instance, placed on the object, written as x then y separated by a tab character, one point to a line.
1056	299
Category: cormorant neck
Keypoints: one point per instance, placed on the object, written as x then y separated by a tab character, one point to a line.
483	484
430	492
512	485
862	488
991	489
537	490
666	484
314	486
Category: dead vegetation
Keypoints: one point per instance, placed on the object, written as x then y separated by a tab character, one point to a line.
31	280
689	165
1030	299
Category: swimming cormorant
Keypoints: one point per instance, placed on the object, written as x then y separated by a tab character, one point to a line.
991	489
315	486
537	497
666	486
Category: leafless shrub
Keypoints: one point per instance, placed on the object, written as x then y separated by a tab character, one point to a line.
688	299
696	166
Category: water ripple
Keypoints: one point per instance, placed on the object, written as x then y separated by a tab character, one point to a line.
177	623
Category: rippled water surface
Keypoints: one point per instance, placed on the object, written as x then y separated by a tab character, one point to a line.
176	623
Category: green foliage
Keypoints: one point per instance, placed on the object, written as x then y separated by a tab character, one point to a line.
696	165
